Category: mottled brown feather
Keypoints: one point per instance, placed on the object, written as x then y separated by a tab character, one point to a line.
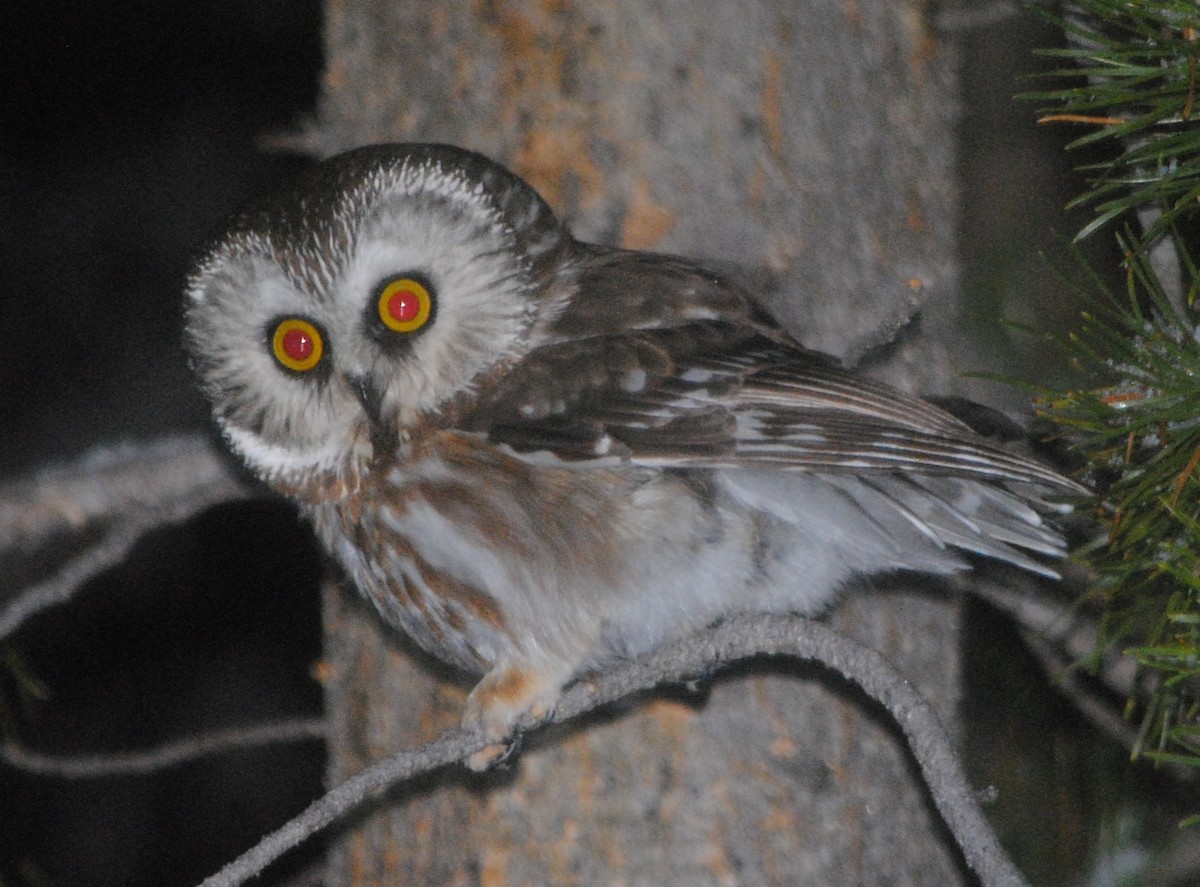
671	365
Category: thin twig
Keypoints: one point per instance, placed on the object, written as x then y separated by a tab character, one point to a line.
131	488
108	482
170	754
1060	633
959	17
62	585
1057	666
734	639
1063	624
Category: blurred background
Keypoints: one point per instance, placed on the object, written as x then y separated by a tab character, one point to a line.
127	132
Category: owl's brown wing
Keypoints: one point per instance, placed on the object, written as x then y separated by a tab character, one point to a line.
714	394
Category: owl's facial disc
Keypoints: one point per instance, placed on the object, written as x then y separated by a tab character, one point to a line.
338	322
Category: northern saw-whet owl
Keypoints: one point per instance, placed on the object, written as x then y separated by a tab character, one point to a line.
535	455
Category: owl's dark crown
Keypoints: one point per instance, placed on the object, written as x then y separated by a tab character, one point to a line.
335	186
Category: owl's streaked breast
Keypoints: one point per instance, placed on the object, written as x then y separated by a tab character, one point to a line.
465	548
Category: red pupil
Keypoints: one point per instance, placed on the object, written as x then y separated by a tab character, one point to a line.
297	344
404	305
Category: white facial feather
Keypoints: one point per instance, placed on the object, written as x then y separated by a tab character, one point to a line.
415	218
480	287
280	425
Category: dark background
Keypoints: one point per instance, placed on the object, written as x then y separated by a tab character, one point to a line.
127	132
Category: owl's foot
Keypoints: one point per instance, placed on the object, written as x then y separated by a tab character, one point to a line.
510	698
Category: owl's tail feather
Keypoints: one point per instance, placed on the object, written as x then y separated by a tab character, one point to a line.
975	516
905	520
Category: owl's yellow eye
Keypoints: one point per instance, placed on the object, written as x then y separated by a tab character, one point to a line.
405	305
297	344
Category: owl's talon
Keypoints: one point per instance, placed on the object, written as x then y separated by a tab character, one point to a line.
493	756
509	699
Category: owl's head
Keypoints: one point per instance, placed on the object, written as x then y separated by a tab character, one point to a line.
330	320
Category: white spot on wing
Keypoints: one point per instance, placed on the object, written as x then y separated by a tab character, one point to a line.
634	381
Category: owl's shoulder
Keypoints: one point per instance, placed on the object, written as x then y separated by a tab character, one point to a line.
623	291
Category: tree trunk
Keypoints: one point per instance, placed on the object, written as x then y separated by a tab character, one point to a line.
813	146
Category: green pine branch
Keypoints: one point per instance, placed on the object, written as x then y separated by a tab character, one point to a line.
1134	85
1137	421
1138	425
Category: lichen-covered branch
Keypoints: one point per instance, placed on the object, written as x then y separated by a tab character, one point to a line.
95	509
700	654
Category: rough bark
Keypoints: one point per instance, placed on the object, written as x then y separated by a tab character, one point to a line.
811	145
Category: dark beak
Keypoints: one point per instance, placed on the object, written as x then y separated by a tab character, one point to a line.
383	437
368	395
